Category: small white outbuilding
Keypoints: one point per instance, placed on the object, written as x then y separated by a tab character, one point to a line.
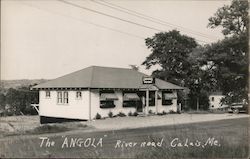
215	100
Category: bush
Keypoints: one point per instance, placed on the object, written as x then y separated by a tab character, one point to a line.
130	114
121	114
135	114
173	112
162	113
8	113
98	116
110	114
150	112
30	111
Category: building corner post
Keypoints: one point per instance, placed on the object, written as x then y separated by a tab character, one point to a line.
156	101
89	103
147	101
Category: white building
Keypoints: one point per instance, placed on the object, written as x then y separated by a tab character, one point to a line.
82	94
215	100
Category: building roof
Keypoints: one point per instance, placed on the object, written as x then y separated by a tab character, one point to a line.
104	77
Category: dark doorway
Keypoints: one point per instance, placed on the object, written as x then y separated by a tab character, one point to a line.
141	103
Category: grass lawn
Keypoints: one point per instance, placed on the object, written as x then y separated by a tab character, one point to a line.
231	137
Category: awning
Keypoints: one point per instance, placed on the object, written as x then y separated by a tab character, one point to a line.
130	97
108	96
169	96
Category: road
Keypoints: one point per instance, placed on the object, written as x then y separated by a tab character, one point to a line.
127	143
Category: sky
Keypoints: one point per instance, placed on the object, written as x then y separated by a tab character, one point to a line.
50	38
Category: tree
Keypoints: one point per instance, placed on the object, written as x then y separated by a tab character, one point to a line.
20	100
233	18
181	63
230	60
170	51
2	101
229	56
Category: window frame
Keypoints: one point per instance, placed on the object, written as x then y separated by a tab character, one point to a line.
78	95
129	103
164	102
47	94
66	97
59	97
62	97
103	106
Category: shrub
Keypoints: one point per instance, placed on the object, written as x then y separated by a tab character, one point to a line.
150	112
98	116
130	114
135	114
172	112
159	114
30	111
121	114
9	113
164	113
110	114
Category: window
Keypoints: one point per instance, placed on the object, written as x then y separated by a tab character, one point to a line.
47	94
107	98
65	97
107	104
132	104
78	95
62	97
59	97
212	99
130	99
167	97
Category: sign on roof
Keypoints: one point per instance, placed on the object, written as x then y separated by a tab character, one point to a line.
148	80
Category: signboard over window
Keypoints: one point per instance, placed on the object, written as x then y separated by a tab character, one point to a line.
148	80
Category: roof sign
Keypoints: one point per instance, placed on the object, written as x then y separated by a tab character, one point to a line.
148	80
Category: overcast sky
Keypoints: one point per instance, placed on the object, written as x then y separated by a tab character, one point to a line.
47	39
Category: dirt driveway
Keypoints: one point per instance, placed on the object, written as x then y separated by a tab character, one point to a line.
148	121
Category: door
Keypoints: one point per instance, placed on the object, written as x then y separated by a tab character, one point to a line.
141	102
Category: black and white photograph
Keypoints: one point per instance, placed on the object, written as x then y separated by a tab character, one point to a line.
143	79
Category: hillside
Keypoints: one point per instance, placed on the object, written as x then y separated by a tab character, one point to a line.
6	84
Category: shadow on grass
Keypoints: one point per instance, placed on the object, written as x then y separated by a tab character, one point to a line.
233	144
48	129
229	151
55	128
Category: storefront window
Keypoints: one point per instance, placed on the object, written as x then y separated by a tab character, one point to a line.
130	99
167	97
107	98
107	104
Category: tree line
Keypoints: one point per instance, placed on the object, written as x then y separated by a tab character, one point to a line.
17	101
220	66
